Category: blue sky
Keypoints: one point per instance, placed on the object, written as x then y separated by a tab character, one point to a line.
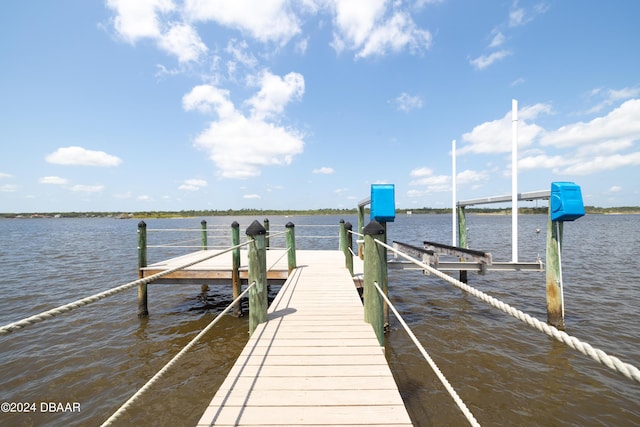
170	105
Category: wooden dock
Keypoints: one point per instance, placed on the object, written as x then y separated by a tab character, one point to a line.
314	362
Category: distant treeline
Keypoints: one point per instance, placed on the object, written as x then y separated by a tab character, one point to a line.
327	211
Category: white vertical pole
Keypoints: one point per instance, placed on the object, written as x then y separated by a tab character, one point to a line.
514	180
454	210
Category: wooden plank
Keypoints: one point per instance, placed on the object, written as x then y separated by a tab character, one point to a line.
351	371
308	398
243	385
308	415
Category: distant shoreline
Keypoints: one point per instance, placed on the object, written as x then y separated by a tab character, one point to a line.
591	210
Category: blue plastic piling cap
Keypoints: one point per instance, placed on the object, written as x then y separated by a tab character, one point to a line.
565	201
383	208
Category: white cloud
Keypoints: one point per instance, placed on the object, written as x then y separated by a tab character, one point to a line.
238	50
362	27
432	183
87	188
8	188
602	163
203	97
150	19
139	19
144	198
519	16
604	143
267	21
484	61
192	184
56	180
81	156
251	196
516	17
620	124
406	102
615	189
5	175
498	40
612	96
275	93
239	145
424	171
126	195
323	170
184	42
495	136
470	176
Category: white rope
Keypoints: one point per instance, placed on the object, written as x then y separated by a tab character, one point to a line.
467	413
172	362
93	298
285	251
599	356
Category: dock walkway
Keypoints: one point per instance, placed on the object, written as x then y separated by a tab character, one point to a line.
314	362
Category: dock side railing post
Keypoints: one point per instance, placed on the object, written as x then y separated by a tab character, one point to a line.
346	244
360	228
258	301
375	270
143	310
203	236
266	227
291	246
235	267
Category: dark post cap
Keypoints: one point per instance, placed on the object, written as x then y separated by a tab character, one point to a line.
348	225
203	222
256	229
235	224
373	228
266	220
342	221
289	225
142	224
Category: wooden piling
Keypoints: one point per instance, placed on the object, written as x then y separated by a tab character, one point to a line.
462	238
375	263
258	302
555	303
291	246
235	267
203	236
143	310
205	246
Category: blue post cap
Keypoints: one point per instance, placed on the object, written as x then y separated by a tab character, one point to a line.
565	201
383	208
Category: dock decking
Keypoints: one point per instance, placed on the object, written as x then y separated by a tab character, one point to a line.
314	362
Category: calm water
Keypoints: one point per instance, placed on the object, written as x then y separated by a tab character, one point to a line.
506	372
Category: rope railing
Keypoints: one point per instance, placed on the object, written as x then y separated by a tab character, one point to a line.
612	362
456	398
209	227
284	252
7	329
172	362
